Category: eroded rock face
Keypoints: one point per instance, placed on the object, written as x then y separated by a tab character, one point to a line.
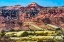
56	19
32	13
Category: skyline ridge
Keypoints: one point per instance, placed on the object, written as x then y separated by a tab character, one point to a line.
27	2
31	3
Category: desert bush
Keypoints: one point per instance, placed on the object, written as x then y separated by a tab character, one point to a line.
24	34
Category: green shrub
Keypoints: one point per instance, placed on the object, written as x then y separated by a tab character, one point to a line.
24	34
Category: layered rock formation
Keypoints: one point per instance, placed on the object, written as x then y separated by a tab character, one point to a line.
31	13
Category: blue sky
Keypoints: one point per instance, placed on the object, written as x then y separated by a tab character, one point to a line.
27	2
